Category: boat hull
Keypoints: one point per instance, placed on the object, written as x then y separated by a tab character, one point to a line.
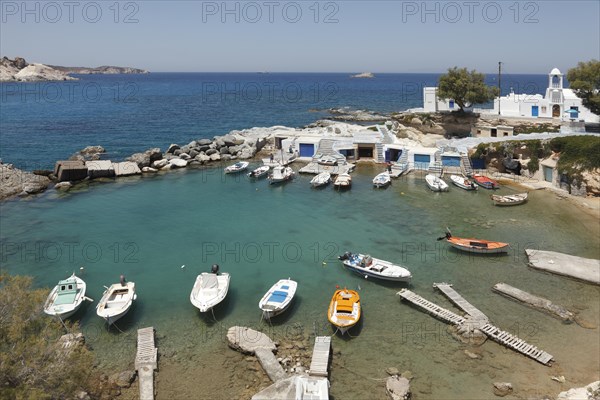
478	246
112	310
206	298
510	200
278	298
344	310
462	183
370	274
436	184
66	310
485	182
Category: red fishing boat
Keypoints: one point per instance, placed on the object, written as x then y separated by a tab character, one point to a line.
485	182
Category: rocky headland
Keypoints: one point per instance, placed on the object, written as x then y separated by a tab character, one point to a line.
19	70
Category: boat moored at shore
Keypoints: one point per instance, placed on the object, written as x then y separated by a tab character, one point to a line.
116	301
278	298
463	183
382	180
237	167
209	289
368	266
509	200
471	245
485	182
66	297
344	310
436	184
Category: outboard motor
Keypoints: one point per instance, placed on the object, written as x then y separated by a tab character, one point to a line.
345	256
215	269
122	280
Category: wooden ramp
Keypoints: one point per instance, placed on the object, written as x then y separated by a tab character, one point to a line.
320	357
146	362
432	308
516	344
460	302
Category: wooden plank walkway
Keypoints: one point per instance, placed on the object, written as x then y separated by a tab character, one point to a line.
320	357
460	302
432	308
146	362
516	344
491	331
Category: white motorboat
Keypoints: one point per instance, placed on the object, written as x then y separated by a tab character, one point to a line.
321	179
278	298
509	200
66	297
368	266
116	301
259	172
281	174
463	183
327	160
209	289
382	180
237	167
436	184
343	181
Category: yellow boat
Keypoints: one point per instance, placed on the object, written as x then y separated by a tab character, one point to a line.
344	309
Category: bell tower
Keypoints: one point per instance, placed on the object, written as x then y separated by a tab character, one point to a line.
555	92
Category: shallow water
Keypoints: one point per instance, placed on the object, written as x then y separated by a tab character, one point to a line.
162	232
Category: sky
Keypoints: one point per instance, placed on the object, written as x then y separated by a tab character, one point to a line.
304	36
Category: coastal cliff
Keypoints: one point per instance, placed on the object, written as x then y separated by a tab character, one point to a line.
19	70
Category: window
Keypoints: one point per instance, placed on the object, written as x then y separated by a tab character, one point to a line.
505	133
451	104
494	132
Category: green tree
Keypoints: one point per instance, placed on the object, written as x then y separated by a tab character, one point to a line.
585	81
465	88
32	365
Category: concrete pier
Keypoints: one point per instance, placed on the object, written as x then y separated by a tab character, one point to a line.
146	362
536	302
584	269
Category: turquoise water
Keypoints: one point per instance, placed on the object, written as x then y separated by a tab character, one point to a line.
259	234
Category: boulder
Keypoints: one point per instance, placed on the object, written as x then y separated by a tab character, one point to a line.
246	153
203	149
172	148
166	167
204	142
177	152
126	168
224	150
194	153
202	158
502	389
392	371
581	393
185	149
215	157
210	152
13	181
123	379
219	143
159	163
178	163
192	144
146	158
184	156
63	186
149	170
34	187
397	388
226	157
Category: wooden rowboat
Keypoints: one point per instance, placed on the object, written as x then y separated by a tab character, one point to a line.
479	246
510	200
485	182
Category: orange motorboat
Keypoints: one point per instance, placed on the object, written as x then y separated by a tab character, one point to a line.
344	309
475	245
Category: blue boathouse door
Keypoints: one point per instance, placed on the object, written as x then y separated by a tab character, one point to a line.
307	149
535	111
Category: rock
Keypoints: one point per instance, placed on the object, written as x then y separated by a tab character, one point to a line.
83	396
203	142
560	379
589	392
146	158
215	157
202	158
246	153
392	371
193	153
185	149
63	186
122	379
178	163
397	388
172	148
472	355
36	73
100	169
159	163
166	167
226	157
408	375
13	180
224	150
177	152
502	389
184	156
203	149
149	170
210	152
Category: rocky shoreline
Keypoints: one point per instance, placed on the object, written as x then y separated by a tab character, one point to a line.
19	70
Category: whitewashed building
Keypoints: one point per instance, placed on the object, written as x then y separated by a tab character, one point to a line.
557	103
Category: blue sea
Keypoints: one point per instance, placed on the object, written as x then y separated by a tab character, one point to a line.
160	231
48	121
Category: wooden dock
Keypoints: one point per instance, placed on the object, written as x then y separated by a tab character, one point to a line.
496	334
431	308
516	344
146	362
460	302
319	364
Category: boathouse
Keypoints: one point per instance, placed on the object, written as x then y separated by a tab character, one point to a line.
487	130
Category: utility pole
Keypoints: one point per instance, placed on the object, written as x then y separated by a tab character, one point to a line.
499	86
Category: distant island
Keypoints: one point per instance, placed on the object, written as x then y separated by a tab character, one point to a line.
367	75
19	70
